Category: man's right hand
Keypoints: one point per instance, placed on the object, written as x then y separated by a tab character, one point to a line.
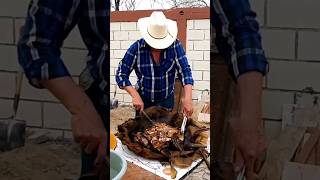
87	126
138	103
89	132
136	99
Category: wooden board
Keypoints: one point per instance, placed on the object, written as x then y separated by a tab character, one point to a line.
297	171
137	173
308	146
280	151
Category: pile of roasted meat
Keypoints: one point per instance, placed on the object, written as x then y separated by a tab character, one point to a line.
162	139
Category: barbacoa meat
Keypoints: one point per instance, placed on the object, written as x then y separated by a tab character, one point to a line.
162	140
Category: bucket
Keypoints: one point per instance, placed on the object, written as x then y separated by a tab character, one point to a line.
118	165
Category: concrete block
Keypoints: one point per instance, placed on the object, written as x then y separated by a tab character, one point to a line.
195	94
9	59
206	75
190	24
13	8
30	112
189	46
278	43
272	102
56	116
75	60
207	34
6	108
121	35
115	45
111	36
134	35
197	75
128	26
31	93
202	24
8	84
202	45
119	53
201	85
195	55
115	26
126	44
6	30
297	14
201	65
195	34
272	129
293	75
114	63
206	55
258	7
74	39
18	23
308	45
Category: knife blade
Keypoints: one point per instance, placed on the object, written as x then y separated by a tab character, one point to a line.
147	116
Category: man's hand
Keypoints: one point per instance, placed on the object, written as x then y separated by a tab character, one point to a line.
138	103
187	103
187	107
89	132
136	99
87	126
247	129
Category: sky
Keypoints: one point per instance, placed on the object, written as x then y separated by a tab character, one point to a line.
148	4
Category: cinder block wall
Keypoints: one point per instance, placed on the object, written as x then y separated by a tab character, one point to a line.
291	39
39	108
123	34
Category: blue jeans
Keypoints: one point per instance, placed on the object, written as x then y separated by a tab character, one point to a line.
99	100
166	103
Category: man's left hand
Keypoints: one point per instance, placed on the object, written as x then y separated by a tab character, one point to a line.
187	107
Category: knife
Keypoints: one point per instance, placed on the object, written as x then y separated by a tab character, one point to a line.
183	125
145	114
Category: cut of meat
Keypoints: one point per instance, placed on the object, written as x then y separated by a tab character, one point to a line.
159	136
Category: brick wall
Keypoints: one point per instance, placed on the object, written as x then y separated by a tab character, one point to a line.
291	36
123	34
39	108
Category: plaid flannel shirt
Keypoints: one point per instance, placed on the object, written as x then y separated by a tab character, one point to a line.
155	81
47	25
237	36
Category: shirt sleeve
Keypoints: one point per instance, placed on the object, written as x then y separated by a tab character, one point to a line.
183	67
126	65
39	44
238	38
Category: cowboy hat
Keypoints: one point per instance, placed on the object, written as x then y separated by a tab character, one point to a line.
158	31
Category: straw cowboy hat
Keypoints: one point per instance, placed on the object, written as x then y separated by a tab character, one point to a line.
158	31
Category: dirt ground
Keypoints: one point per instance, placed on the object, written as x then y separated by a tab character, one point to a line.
45	158
41	159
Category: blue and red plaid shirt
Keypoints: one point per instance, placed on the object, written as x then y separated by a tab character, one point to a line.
237	36
155	81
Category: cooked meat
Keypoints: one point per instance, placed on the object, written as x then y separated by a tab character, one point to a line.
159	136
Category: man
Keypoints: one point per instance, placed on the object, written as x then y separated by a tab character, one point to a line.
239	41
47	25
156	58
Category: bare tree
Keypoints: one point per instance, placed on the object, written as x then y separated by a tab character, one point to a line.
183	3
187	3
116	5
130	4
